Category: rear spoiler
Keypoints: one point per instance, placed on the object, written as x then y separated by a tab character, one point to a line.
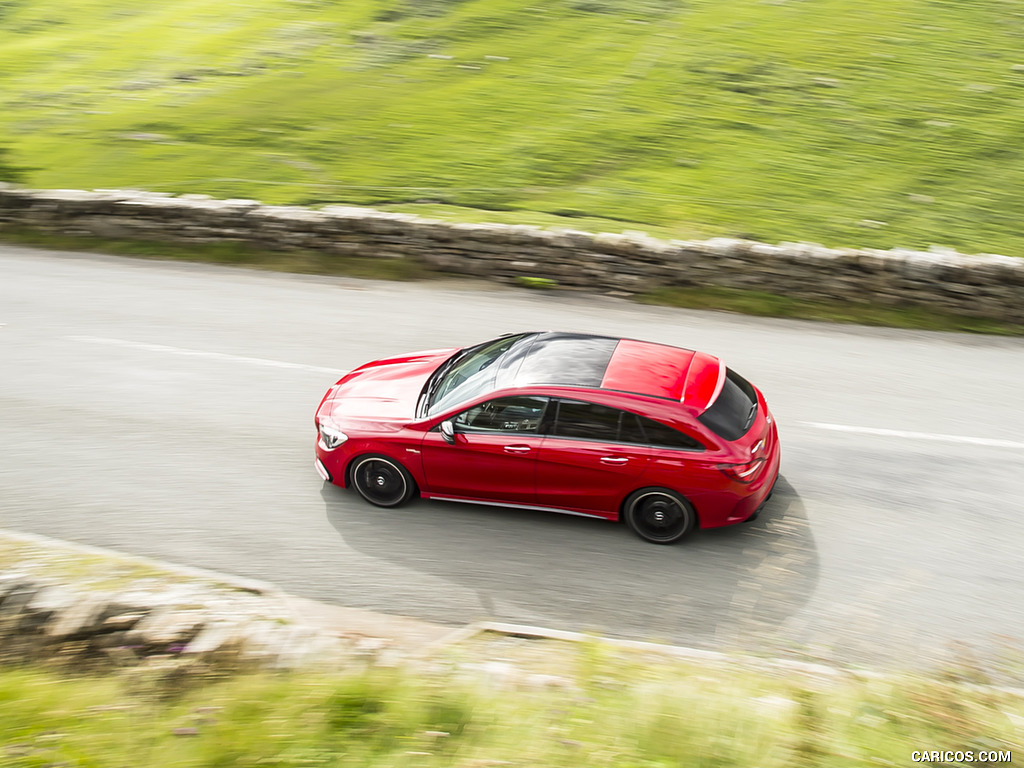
705	378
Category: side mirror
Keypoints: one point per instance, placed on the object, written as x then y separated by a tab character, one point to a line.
448	432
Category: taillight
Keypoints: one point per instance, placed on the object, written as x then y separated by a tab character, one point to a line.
743	473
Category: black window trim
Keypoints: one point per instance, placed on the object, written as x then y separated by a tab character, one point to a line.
548	425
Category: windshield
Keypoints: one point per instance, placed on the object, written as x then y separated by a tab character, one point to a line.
467	374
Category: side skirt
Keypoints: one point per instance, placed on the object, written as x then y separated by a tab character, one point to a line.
533	507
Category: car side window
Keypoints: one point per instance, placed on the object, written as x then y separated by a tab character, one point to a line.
630	430
602	423
587	421
519	415
664	436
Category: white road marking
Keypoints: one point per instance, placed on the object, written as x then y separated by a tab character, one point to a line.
917	435
203	353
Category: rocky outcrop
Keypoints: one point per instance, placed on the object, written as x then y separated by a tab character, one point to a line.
185	623
988	286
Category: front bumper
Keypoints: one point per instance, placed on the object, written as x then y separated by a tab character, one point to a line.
322	470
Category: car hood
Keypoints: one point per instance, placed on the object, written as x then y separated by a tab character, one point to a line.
385	390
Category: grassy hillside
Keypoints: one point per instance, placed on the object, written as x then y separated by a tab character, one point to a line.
847	122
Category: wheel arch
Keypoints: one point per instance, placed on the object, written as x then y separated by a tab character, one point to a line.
621	516
410	478
350	465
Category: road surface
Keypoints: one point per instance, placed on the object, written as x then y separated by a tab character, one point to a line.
166	409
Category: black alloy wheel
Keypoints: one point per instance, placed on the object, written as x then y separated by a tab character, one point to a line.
382	481
659	515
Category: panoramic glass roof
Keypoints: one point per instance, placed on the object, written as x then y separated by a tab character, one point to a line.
558	359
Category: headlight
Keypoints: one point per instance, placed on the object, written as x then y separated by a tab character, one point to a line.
331	437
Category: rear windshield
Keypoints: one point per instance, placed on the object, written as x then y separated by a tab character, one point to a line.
731	415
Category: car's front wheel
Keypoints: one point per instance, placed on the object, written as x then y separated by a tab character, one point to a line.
382	481
659	515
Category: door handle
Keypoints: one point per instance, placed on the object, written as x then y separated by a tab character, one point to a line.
517	449
616	460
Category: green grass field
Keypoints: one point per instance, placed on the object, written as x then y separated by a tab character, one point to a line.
846	122
612	712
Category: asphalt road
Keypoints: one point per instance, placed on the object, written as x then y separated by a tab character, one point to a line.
167	410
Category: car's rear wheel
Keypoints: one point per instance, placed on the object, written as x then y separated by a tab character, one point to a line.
659	515
382	481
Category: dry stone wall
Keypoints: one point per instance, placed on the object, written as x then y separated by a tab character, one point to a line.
989	286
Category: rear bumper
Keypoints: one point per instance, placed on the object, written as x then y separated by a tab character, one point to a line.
764	503
749	507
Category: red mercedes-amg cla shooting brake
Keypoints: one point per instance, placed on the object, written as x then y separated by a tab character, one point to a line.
667	439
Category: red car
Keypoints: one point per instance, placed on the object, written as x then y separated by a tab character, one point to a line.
667	439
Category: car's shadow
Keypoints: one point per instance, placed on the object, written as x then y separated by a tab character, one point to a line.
731	587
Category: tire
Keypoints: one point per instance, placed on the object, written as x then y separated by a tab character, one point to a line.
659	515
382	481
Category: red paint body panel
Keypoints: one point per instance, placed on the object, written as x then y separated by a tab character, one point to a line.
657	370
375	404
703	381
648	369
385	389
588	476
481	467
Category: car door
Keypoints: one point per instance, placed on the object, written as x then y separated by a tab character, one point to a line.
494	454
590	459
